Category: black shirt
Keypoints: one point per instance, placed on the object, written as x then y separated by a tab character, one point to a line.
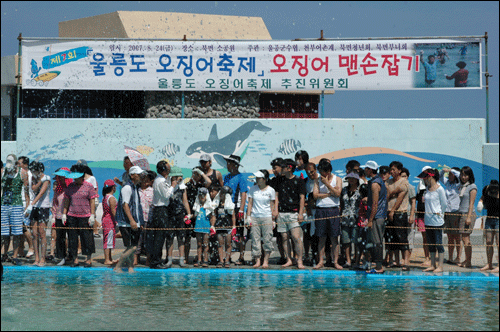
289	191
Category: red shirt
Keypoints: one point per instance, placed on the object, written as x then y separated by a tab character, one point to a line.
79	199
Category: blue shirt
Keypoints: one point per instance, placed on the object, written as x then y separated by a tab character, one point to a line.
382	198
238	183
430	71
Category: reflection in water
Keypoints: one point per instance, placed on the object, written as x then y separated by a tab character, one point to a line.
73	300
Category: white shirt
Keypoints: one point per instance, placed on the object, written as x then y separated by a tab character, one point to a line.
44	201
452	190
329	201
162	190
261	206
435	206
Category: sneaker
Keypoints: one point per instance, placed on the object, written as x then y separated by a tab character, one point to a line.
16	261
182	263
29	254
169	264
61	262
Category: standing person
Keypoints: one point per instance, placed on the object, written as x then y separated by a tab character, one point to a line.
89	177
238	184
177	212
451	185
198	180
109	205
412	202
301	160
419	219
24	162
289	209
490	201
397	206
57	211
352	166
202	208
310	229
130	218
377	212
146	196
274	183
460	76
261	200
125	176
430	68
468	192
12	207
41	211
435	207
327	192
349	203
212	174
163	188
79	216
225	223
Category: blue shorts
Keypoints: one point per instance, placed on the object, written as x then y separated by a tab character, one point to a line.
12	220
491	224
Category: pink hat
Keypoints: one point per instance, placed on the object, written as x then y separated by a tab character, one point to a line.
109	183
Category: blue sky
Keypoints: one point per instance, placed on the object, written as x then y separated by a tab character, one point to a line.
339	19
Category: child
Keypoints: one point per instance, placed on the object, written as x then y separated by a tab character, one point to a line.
108	220
202	208
225	222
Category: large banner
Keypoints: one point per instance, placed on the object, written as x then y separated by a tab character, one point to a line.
251	65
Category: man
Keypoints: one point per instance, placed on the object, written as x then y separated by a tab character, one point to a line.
377	212
12	207
289	209
206	166
125	176
274	183
430	68
26	175
129	217
397	206
238	183
163	188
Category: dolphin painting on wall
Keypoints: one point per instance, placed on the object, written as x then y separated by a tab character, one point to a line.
220	148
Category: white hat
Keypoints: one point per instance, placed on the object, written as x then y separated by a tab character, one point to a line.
259	174
371	164
135	170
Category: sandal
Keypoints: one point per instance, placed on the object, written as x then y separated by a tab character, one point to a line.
204	264
198	263
227	264
240	261
406	268
219	265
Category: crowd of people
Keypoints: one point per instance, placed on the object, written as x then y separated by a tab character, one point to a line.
318	218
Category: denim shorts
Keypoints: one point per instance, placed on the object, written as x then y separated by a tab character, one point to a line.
491	223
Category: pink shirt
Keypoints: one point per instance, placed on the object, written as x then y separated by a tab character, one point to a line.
146	197
79	199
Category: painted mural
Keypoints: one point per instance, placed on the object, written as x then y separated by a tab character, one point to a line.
101	142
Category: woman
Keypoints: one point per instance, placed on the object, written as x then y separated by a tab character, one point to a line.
451	219
261	199
61	184
41	209
109	204
79	215
350	199
468	192
435	207
327	192
489	200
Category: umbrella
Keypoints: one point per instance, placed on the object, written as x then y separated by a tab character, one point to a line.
137	158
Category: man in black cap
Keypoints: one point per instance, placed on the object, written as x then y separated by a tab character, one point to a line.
238	184
274	183
290	201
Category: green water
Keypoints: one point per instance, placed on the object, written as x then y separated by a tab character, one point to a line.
149	300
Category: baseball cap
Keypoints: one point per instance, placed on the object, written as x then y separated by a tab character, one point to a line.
205	157
109	183
371	165
135	170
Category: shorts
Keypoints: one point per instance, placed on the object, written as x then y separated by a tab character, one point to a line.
491	223
464	228
40	215
420	225
108	238
12	220
327	222
130	237
287	221
452	223
223	231
349	235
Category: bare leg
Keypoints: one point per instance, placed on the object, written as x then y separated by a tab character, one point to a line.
36	241
321	253
433	263
286	250
468	251
489	251
335	252
43	243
